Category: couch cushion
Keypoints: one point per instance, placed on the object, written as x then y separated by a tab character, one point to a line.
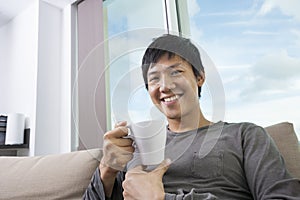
286	140
63	176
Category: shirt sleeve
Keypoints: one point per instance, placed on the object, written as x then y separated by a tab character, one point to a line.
265	169
95	190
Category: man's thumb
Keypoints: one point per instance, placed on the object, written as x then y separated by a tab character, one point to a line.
162	167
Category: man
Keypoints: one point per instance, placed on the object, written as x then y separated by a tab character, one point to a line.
206	160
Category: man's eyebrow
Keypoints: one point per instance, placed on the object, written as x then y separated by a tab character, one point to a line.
169	67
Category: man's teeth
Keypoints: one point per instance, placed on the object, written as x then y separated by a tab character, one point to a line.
171	98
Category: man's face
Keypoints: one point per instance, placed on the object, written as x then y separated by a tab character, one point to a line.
173	87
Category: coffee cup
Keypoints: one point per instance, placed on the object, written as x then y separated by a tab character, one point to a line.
150	138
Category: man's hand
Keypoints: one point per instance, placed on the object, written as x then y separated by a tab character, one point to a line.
117	151
144	185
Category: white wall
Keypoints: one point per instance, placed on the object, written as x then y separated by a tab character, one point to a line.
18	65
66	87
49	80
35	74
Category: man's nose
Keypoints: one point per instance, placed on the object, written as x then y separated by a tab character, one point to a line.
166	84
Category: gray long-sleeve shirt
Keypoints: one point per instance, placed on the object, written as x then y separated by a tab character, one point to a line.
222	161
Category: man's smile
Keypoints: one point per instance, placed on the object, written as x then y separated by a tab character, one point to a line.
170	99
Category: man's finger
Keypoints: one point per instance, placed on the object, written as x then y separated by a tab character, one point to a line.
122	123
118	132
122	142
162	167
138	169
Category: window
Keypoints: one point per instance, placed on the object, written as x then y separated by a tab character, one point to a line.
255	48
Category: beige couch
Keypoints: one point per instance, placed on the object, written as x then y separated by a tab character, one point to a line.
63	176
66	176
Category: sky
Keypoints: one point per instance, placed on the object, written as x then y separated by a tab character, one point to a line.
253	45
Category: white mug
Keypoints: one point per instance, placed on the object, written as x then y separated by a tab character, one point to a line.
150	138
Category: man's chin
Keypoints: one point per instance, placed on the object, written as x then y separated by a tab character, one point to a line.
172	116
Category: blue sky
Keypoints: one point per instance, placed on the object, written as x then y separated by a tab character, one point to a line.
255	45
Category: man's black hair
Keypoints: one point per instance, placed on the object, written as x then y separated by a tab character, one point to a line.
172	45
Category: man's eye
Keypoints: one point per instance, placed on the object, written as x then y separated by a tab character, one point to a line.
176	72
152	79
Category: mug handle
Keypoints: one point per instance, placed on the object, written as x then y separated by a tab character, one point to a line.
129	135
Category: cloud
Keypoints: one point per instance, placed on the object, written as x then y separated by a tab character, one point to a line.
296	33
250	11
126	42
262	33
193	8
274	74
266	113
278	66
287	7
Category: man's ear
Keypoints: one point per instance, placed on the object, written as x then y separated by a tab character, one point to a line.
200	79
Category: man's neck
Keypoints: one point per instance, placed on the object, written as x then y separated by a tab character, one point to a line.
188	123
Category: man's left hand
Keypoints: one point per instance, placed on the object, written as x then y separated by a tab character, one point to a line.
139	184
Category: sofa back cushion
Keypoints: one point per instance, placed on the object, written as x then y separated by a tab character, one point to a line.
286	140
63	176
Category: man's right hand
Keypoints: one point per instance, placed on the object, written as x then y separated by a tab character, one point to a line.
117	152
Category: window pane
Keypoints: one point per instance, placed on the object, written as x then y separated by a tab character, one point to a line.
255	47
130	27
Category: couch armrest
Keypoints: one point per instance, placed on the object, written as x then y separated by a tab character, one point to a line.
286	140
63	176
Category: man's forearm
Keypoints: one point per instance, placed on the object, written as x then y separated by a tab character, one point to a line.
108	177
